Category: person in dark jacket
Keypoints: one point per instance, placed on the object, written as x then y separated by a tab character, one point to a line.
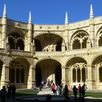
75	91
65	91
3	94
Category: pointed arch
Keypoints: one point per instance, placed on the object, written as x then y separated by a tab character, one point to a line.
48	42
18	72
83	36
16	40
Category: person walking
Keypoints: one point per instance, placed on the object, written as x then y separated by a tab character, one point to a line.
79	90
83	91
13	91
9	91
65	91
53	88
75	91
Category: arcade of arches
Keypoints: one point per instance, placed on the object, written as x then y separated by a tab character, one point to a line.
76	71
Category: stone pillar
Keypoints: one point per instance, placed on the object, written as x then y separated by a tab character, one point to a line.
80	74
67	75
71	75
97	77
92	33
63	75
76	75
63	46
5	75
31	77
89	77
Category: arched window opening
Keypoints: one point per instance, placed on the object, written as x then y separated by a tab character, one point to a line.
16	73
58	47
16	41
83	75
76	44
74	75
100	74
84	43
100	41
38	76
20	44
12	43
78	75
38	45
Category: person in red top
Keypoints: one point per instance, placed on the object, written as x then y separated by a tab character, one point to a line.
79	90
53	88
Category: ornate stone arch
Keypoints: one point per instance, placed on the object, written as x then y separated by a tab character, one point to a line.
82	36
99	37
19	72
48	69
48	42
76	66
16	40
97	66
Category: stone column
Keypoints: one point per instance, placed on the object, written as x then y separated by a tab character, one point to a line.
89	76
63	75
63	46
97	77
80	74
92	32
76	75
5	75
31	77
70	75
67	75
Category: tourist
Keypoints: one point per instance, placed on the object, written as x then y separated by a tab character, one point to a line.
75	91
3	94
65	91
79	90
53	88
13	91
9	91
83	90
59	90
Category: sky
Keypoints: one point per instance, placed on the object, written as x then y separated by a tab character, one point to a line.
51	11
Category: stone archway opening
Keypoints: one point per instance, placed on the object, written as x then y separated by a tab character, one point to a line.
16	41
48	69
19	72
97	72
48	42
77	70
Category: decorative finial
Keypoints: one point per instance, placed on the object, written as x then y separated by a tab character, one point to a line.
91	11
66	18
30	17
4	12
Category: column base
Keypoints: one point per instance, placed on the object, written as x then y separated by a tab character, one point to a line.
31	85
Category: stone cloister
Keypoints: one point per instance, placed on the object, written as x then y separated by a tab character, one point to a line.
69	53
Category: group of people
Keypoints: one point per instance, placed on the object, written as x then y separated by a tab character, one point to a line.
8	92
77	91
80	90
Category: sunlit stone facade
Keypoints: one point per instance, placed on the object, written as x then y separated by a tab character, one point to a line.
69	53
